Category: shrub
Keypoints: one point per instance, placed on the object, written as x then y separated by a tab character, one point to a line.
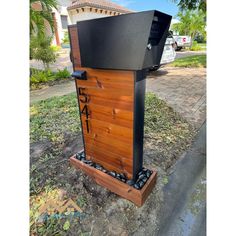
61	74
33	71
55	48
66	37
40	76
195	46
40	49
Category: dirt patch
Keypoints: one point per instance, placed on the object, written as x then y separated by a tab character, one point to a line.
167	136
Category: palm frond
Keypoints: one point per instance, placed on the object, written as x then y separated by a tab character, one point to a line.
38	17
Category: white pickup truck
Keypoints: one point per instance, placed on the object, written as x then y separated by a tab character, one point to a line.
181	41
168	54
169	51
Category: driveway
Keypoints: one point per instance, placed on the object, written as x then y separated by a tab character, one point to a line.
184	89
181	54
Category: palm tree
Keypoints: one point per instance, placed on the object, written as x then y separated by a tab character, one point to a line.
40	13
191	23
191	4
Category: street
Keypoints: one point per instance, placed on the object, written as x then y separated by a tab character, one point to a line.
180	54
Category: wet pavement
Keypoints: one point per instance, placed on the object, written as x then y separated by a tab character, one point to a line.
184	210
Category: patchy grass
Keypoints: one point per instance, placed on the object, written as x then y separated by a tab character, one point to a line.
162	121
190	61
53	118
167	135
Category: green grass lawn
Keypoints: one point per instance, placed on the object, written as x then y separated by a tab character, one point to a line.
190	61
198	46
202	45
56	117
52	118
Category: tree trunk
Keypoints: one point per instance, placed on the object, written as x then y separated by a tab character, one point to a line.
192	39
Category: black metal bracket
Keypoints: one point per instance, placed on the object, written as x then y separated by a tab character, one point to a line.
79	74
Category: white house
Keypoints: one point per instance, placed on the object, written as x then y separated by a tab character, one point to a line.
70	11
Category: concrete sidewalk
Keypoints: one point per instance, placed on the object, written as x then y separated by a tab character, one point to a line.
184	209
52	91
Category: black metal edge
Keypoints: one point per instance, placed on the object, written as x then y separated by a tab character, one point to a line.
138	124
82	130
162	41
71	49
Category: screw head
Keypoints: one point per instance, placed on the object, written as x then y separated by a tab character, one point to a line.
149	46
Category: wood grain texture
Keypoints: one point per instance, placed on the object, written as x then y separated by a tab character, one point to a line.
74	43
109	141
138	197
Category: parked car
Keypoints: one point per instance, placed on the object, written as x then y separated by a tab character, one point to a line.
168	54
181	42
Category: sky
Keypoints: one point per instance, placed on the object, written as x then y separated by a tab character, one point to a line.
166	6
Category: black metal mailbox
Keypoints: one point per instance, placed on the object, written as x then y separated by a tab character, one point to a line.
132	41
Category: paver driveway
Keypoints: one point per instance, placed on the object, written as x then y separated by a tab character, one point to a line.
184	89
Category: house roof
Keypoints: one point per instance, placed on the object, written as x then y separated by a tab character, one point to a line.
104	4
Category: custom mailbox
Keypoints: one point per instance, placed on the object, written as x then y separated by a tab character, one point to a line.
110	58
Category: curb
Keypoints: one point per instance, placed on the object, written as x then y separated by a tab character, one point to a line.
187	173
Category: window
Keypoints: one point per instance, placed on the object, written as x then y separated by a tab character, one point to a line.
64	22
